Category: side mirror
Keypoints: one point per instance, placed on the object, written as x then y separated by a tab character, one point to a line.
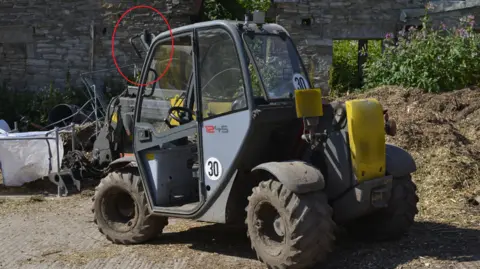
146	38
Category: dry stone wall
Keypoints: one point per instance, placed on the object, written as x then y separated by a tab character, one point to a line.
43	40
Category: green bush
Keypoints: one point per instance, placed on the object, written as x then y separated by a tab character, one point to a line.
434	59
35	105
343	73
213	10
252	5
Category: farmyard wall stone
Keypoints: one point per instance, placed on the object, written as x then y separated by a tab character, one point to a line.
40	40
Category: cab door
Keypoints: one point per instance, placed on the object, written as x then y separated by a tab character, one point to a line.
225	117
167	151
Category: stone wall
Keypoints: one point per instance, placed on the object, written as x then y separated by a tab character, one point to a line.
43	40
353	19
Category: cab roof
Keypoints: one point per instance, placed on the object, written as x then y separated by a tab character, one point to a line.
270	28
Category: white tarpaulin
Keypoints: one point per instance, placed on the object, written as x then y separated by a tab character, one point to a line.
24	161
4	127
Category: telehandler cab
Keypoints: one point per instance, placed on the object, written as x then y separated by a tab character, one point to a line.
233	133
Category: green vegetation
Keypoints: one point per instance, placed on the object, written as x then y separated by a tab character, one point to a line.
434	59
343	74
221	9
252	5
34	106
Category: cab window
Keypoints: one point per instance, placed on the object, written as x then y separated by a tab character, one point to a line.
221	81
171	89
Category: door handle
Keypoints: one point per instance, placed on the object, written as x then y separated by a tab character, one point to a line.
144	135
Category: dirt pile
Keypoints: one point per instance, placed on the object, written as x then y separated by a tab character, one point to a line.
442	131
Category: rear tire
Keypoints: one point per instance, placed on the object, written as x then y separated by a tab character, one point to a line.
392	222
121	212
298	230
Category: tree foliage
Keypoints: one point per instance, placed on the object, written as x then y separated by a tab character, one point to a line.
252	5
343	73
216	9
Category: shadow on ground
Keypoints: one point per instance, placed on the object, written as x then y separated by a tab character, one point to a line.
445	243
44	187
216	238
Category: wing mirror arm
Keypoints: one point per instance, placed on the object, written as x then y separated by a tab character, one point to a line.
146	38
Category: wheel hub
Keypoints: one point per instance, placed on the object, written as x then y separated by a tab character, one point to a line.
270	228
278	226
119	210
126	209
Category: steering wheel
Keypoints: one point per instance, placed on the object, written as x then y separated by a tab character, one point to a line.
219	73
181	120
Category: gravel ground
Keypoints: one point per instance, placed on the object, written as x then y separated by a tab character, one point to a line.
59	233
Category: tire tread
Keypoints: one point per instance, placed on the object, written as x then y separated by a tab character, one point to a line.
150	225
309	220
394	221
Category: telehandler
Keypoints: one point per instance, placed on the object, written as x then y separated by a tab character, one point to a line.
233	133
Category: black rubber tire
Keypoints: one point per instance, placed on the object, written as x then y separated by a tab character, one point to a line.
142	226
392	222
307	221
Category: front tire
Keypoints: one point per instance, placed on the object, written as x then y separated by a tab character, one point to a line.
394	221
289	230
121	212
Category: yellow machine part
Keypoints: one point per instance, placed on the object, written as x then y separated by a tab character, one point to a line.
212	107
366	135
150	156
217	108
114	117
175	101
308	103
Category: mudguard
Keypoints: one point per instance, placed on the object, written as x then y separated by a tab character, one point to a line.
297	176
399	161
127	161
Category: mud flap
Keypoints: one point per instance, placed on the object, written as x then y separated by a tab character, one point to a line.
363	199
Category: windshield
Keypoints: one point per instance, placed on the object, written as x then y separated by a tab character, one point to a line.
278	63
